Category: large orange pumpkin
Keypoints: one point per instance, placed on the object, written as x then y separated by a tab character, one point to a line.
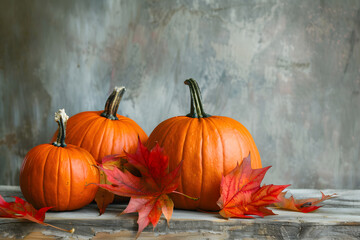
209	146
105	132
58	175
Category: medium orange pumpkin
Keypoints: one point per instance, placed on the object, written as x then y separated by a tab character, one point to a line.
105	132
209	146
58	175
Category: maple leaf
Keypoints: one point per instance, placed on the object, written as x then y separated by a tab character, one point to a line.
150	209
148	191
21	209
103	197
301	205
241	194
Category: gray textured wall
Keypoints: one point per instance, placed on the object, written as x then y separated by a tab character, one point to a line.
288	70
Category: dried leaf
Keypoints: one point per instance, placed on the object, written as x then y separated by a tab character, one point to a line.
103	197
23	210
301	205
111	161
241	194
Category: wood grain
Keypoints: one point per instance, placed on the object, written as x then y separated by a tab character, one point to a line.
339	218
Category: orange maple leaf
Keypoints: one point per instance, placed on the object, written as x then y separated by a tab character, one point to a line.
241	194
103	197
149	191
301	205
21	209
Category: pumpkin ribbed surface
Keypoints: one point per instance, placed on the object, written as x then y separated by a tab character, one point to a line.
210	148
58	177
102	136
104	132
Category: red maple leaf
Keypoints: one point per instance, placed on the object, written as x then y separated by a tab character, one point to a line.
23	210
149	192
301	205
241	194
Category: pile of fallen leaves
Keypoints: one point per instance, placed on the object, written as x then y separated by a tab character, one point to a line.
144	177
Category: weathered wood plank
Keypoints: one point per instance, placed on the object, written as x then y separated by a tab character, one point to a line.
7	192
345	198
338	219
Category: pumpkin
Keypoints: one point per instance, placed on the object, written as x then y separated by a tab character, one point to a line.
208	146
105	132
59	175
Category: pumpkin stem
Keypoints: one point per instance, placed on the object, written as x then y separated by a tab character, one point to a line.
112	103
61	119
196	108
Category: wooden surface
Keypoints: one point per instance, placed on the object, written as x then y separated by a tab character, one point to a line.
339	218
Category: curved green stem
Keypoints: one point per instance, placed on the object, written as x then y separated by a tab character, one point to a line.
61	119
112	103
196	107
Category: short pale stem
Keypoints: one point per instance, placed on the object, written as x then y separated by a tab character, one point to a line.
61	119
187	196
112	103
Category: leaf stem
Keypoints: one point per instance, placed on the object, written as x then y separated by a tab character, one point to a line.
187	196
69	231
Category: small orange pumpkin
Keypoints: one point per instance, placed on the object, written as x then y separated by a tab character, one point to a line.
58	175
105	132
209	146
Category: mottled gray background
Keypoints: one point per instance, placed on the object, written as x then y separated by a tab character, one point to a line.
288	70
